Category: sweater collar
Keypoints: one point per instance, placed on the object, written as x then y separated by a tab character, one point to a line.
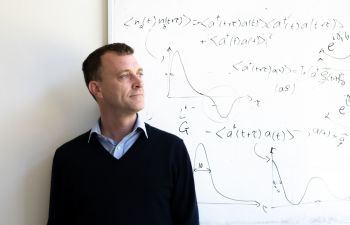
140	125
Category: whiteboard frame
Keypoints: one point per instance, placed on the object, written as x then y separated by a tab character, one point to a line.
113	37
110	22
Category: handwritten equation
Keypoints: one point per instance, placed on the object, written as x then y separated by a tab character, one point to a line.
218	21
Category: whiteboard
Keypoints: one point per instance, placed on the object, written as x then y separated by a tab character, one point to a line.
260	93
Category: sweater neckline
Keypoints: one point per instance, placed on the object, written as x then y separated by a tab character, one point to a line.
141	141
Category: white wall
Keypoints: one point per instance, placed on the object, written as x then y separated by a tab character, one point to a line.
43	97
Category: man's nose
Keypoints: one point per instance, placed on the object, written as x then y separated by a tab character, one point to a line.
137	81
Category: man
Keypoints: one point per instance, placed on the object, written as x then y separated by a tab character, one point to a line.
123	171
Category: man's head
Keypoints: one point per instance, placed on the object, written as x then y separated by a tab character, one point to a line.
114	77
92	64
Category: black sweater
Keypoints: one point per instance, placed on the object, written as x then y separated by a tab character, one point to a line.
152	184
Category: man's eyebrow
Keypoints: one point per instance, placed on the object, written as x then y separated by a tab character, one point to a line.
123	71
128	70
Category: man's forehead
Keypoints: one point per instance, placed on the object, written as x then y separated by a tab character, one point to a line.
117	60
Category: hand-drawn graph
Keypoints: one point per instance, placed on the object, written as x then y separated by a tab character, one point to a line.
202	165
214	96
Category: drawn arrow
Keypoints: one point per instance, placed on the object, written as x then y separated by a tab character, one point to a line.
332	56
264	158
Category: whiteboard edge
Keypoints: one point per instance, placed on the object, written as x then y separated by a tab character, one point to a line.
111	7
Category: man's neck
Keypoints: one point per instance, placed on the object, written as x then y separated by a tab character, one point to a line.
117	128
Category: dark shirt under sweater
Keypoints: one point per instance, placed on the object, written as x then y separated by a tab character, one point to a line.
152	184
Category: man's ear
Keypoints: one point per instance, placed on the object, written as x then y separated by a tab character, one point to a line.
95	89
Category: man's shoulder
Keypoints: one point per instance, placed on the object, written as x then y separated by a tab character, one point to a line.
81	139
155	132
163	138
74	144
168	144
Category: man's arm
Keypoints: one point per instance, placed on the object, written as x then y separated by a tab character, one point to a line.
59	205
184	201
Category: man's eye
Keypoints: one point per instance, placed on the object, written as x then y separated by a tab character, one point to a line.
124	75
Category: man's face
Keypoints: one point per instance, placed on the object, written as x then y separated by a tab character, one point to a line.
121	86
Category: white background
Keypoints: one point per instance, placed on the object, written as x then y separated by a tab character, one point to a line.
43	97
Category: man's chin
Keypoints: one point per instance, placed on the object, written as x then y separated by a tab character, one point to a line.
139	108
